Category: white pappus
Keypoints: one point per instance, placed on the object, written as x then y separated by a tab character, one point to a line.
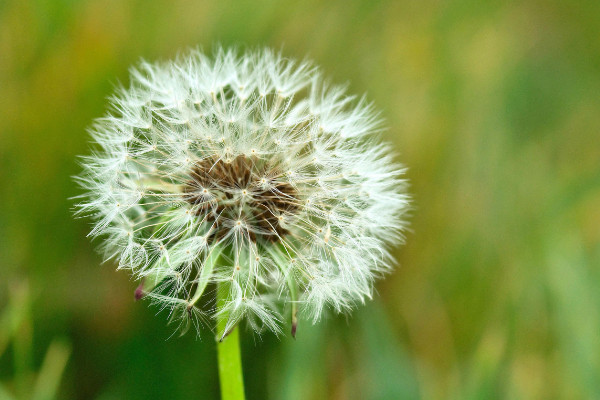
244	170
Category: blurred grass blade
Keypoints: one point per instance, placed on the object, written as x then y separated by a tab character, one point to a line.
22	339
14	314
391	373
4	394
52	369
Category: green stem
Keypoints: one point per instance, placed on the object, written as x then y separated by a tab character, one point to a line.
228	353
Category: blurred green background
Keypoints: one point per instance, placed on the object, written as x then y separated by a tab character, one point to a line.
494	107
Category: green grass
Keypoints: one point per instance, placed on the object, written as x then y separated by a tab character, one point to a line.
493	106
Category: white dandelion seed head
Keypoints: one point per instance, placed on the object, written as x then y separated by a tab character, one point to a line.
246	169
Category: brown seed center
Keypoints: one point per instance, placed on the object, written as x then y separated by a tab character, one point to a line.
241	192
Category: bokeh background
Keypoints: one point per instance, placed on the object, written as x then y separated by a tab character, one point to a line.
495	108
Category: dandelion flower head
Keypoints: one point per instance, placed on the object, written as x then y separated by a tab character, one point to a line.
246	171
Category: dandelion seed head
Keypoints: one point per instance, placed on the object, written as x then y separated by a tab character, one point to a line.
247	169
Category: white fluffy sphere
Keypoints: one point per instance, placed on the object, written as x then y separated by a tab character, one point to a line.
244	170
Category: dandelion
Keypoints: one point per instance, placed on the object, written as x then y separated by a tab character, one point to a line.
242	188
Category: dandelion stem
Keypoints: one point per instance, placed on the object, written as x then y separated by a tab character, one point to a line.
228	353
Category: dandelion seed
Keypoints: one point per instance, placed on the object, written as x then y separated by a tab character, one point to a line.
244	169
